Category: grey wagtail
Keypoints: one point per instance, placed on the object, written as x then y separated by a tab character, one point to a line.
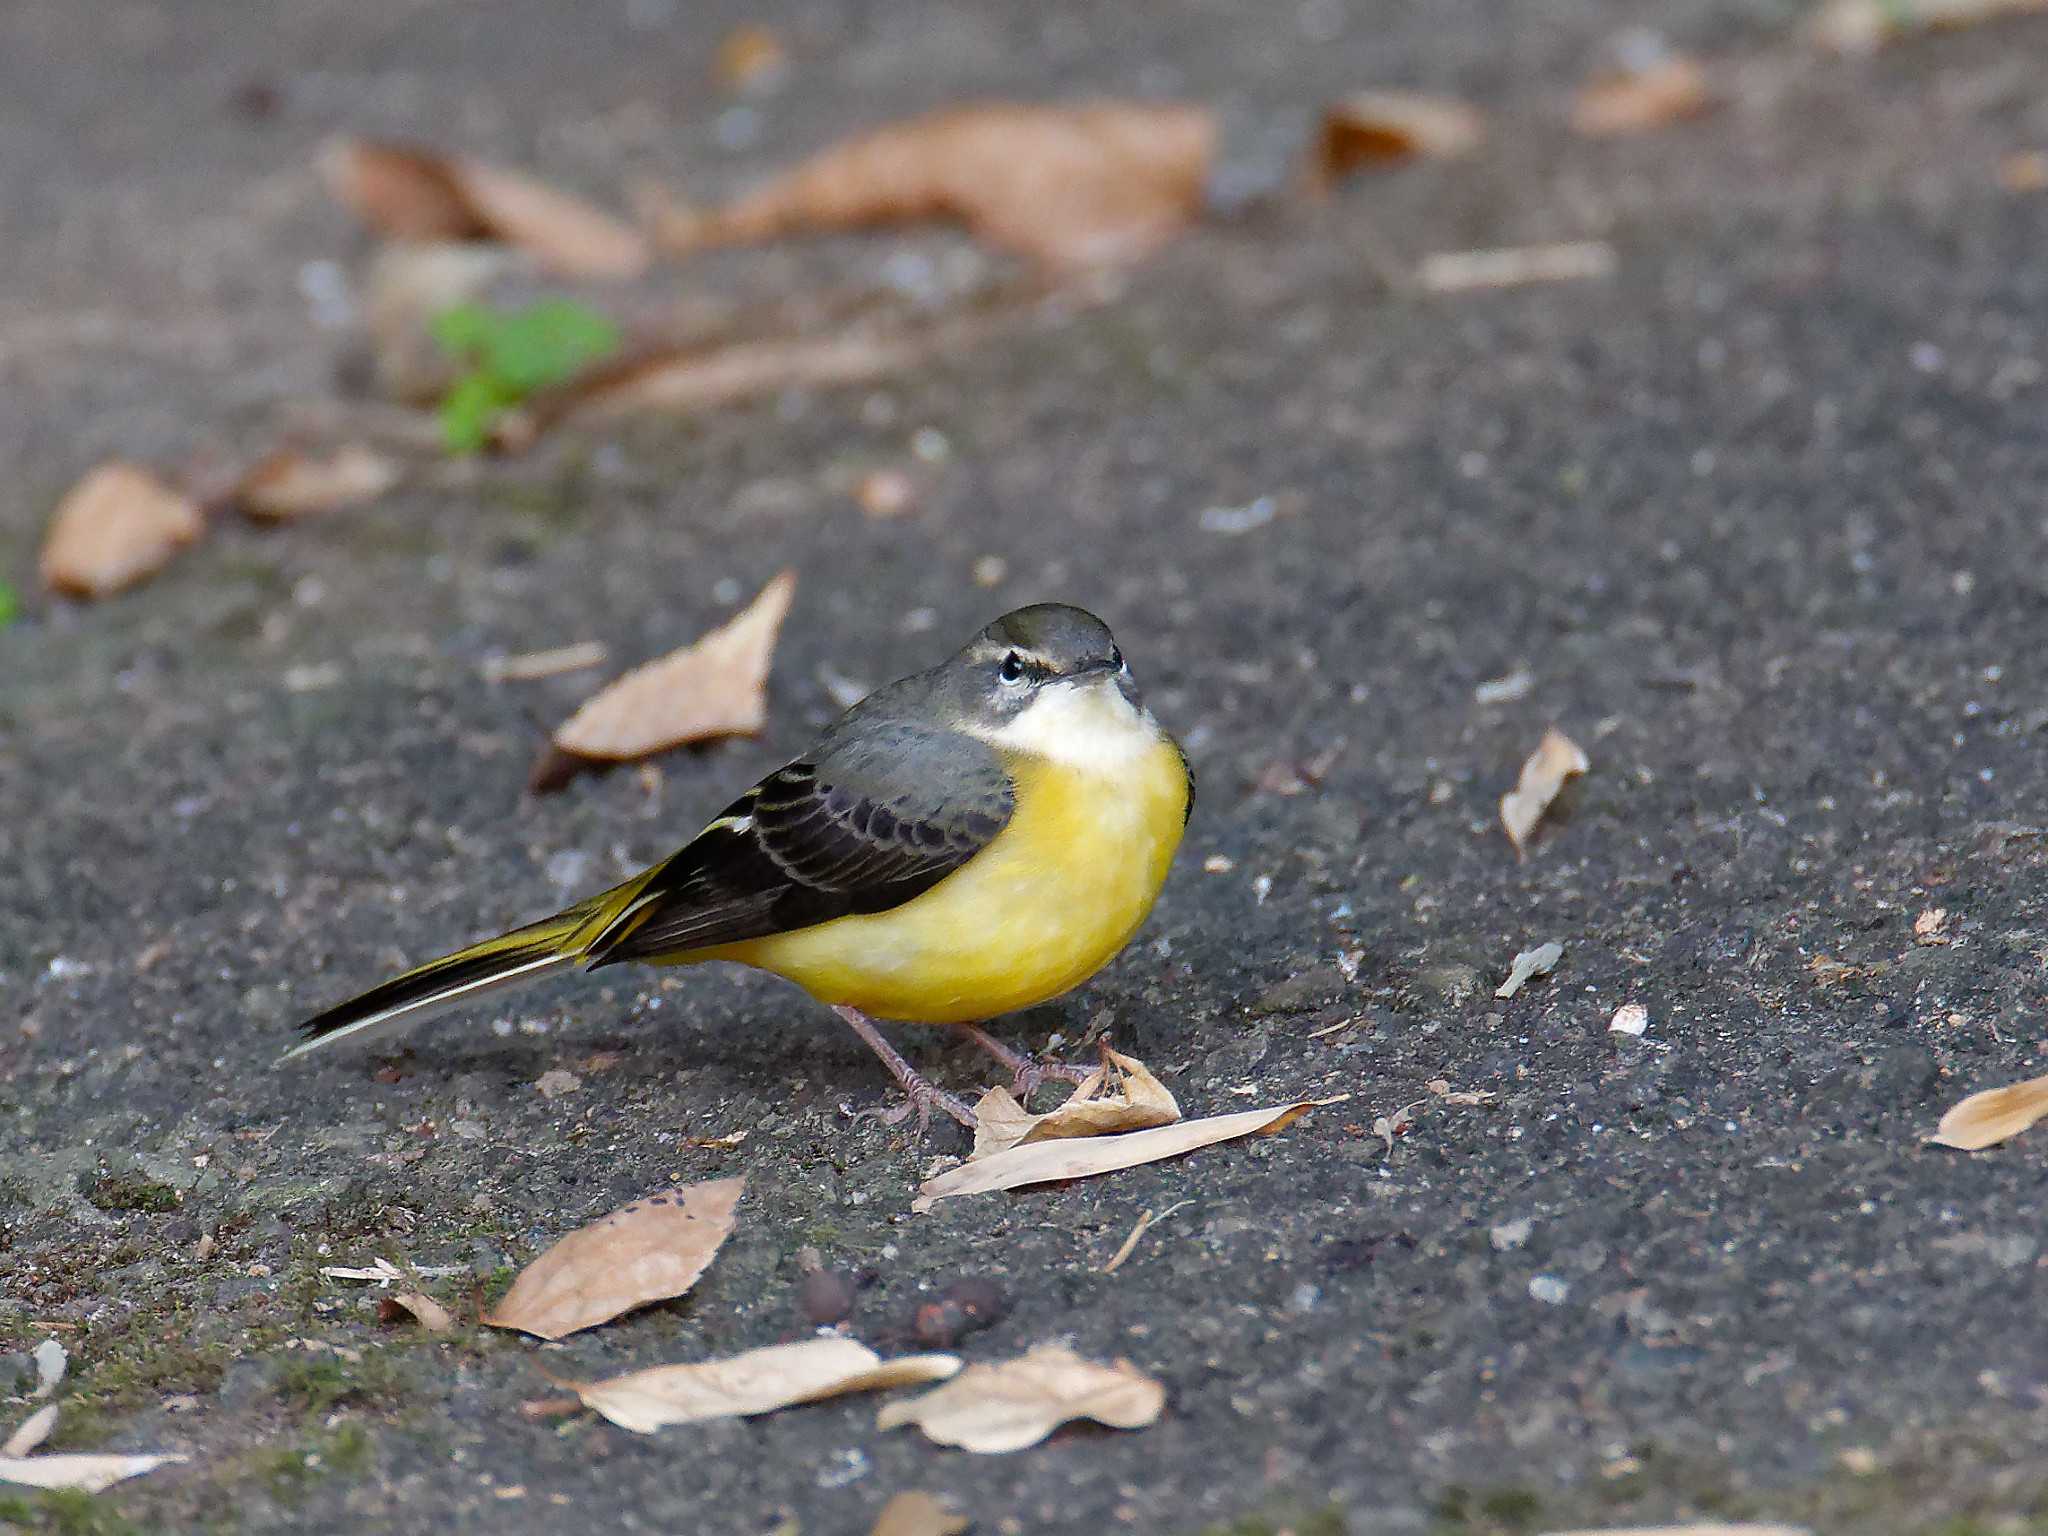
962	843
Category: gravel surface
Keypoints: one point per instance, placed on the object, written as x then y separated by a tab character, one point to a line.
1759	516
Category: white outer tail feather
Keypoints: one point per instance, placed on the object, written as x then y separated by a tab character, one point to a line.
418	1011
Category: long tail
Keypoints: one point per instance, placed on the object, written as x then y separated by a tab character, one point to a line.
510	960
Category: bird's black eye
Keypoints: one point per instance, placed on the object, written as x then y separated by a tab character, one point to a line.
1116	657
1012	670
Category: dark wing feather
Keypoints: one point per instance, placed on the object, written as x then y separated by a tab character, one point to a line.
864	824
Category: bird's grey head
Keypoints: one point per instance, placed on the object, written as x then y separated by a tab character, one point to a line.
1040	655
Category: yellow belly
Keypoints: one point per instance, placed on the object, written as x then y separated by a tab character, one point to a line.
1059	891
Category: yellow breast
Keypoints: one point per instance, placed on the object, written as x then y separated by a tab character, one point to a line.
1058	891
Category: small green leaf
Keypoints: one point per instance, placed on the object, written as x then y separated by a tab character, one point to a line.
470	408
10	605
547	342
464	331
511	354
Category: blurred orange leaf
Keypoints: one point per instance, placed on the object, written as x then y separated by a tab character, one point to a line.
1070	187
1374	128
408	193
115	527
294	484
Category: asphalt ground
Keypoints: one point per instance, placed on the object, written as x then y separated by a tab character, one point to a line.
1760	514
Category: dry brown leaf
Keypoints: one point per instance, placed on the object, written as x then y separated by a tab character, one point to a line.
1857	26
116	526
1376	128
31	1431
1672	88
651	1250
1071	187
1015	1403
1126	1098
681	380
84	1473
716	687
294	484
1997	1114
1556	758
917	1513
424	1310
758	1381
1049	1161
407	193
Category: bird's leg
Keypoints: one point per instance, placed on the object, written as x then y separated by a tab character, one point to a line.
922	1095
1027	1074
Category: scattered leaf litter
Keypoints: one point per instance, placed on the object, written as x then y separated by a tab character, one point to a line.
755	1382
651	1250
715	687
1007	1406
1629	1019
1122	1095
1997	1114
117	526
1557	758
1051	1161
1527	964
1070	187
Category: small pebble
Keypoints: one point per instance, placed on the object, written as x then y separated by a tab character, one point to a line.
1548	1289
825	1297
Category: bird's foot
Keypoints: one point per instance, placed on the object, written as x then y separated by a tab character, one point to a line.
1026	1073
920	1095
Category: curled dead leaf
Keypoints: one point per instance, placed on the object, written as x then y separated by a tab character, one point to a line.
1556	758
294	484
1070	187
758	1381
651	1250
424	1310
115	527
1368	129
716	687
83	1473
682	380
917	1513
408	193
1665	91
1997	1114
1540	960
1123	1096
1016	1403
1050	1161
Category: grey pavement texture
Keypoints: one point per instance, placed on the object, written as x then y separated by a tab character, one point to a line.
1762	516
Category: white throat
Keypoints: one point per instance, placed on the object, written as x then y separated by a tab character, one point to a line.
1088	725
